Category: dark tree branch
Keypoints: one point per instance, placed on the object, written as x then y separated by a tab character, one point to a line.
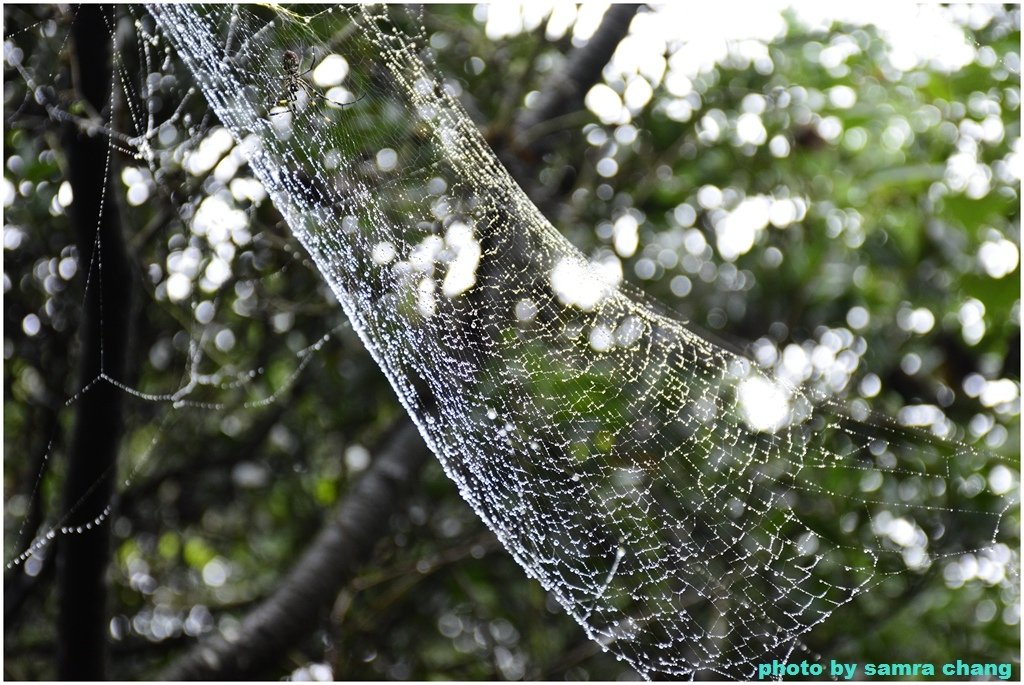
536	131
332	559
564	91
104	344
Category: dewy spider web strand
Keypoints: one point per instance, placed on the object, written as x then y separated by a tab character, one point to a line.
606	445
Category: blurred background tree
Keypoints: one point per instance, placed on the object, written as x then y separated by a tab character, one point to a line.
808	189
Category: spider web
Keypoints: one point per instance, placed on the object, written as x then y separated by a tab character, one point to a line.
617	456
626	463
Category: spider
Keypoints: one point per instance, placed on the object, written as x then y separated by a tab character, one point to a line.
294	81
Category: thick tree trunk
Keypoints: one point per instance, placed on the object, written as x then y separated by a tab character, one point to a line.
84	552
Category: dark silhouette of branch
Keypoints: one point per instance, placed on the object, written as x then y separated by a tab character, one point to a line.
104	338
560	112
564	91
344	544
